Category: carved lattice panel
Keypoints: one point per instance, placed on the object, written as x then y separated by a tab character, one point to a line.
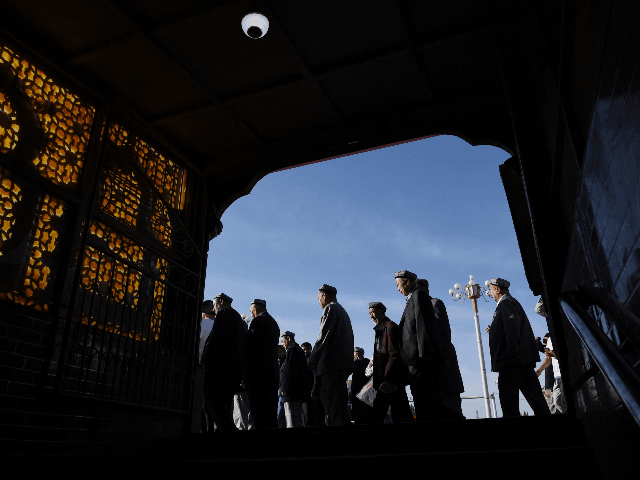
28	260
64	120
140	186
9	196
9	126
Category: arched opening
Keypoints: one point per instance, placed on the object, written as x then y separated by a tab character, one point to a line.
435	206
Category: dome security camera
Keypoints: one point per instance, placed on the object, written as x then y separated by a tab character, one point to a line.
255	25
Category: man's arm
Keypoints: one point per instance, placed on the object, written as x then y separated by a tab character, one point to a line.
327	324
544	365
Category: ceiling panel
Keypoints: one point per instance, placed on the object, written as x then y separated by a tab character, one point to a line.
375	87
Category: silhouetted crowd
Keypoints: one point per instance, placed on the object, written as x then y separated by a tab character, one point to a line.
253	382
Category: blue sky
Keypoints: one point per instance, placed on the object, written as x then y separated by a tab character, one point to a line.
435	207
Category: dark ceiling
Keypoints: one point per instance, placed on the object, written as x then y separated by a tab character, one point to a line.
329	78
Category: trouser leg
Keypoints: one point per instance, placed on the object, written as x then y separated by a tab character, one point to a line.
427	397
508	388
219	403
380	408
293	413
263	404
532	391
335	396
400	409
558	400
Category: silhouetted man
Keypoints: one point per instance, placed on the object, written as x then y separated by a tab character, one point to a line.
389	374
262	371
332	356
421	351
312	410
223	360
359	410
453	385
514	353
295	387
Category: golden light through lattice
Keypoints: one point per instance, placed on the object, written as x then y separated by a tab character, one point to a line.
9	196
44	242
9	127
65	120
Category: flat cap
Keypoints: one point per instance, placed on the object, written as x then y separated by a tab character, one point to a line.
500	282
328	288
257	301
359	350
422	281
207	306
378	305
406	274
224	297
287	333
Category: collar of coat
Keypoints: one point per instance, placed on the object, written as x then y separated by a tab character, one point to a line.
411	293
380	325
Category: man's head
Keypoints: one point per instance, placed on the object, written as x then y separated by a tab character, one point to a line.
221	301
288	338
326	295
377	311
282	352
405	281
498	287
207	309
358	353
257	307
306	348
423	285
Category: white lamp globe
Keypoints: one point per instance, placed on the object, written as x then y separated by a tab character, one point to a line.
255	25
459	296
487	283
457	286
452	291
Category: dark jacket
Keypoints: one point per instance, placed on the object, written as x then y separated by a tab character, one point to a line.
453	377
223	352
334	348
387	366
420	343
294	375
261	350
511	339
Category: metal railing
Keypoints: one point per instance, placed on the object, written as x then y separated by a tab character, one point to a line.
620	374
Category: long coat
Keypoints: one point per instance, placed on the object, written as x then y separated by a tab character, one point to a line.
261	350
295	380
420	343
387	366
453	379
511	339
223	353
334	348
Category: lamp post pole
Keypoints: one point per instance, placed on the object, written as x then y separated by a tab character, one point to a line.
475	291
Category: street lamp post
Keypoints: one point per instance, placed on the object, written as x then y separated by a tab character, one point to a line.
474	291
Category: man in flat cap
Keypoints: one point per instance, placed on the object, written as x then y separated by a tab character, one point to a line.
332	356
223	360
262	372
389	374
453	385
359	410
514	353
295	386
422	352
